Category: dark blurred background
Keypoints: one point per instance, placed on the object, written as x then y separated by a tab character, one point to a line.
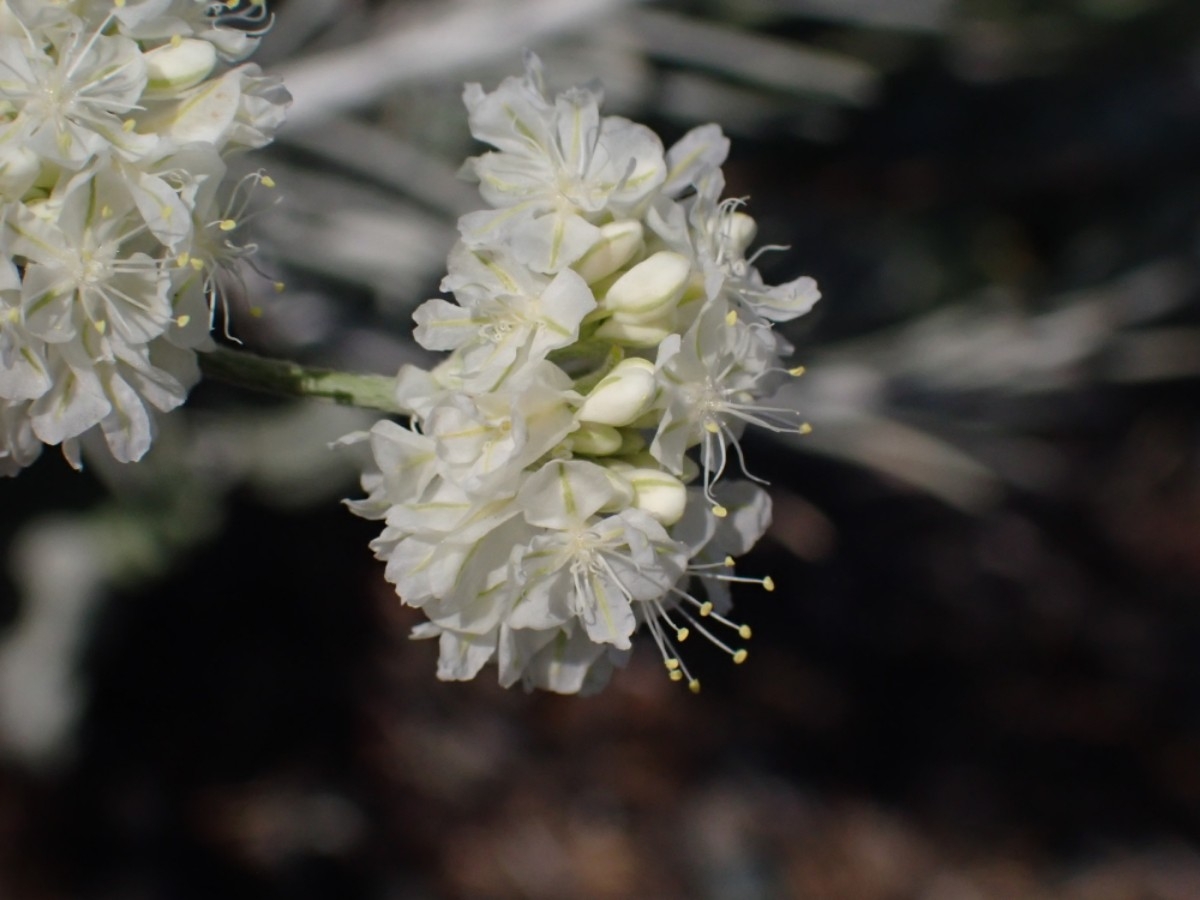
979	676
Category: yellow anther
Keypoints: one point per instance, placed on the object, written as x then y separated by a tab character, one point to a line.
101	326
182	321
805	428
730	561
105	211
719	511
731	317
278	286
182	259
197	263
13	315
712	427
256	312
740	656
672	664
744	632
119	4
128	125
768	584
227	225
682	635
267	181
166	212
706	608
176	40
798	371
694	686
675	675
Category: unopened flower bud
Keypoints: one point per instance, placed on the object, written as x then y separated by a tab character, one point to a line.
658	494
629	335
593	439
179	65
619	243
650	289
741	230
622	395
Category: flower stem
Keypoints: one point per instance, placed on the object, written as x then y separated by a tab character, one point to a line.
289	379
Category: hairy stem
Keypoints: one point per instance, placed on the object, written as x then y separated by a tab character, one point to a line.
289	379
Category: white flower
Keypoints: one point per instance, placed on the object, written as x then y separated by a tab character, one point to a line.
712	379
506	315
716	233
239	110
564	660
115	119
594	569
70	99
82	278
483	442
559	167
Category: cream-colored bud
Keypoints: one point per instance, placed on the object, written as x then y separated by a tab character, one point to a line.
651	289
658	493
629	335
178	66
592	439
619	243
741	230
622	395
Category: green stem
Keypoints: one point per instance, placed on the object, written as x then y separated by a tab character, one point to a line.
289	379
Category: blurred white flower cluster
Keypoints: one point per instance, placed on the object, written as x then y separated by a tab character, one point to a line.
116	118
546	500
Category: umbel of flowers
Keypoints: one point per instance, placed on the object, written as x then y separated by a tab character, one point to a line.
116	121
559	485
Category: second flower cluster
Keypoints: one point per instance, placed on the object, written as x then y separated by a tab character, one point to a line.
560	481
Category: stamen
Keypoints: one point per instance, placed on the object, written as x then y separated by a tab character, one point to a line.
713	639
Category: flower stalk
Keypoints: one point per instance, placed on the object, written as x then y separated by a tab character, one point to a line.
288	379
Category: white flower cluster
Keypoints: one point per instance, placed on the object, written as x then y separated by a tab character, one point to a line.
543	504
116	119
